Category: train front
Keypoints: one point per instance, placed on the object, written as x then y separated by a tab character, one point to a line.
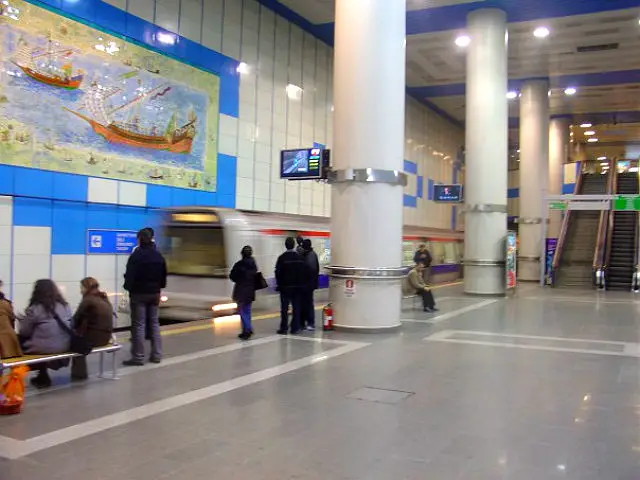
193	243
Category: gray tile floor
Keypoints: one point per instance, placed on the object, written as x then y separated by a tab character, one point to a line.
510	400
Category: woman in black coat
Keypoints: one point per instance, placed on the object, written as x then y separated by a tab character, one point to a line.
243	275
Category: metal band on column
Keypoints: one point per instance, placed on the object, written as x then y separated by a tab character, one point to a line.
380	273
368	175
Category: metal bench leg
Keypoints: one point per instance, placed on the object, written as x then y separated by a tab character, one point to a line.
114	366
101	374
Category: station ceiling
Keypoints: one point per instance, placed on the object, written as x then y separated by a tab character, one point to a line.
593	46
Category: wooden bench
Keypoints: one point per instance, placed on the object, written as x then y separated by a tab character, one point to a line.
28	360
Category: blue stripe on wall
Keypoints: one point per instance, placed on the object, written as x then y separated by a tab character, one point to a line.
32	212
410	201
513	193
430	184
420	187
568	188
410	167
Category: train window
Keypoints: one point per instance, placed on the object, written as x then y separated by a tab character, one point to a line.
195	251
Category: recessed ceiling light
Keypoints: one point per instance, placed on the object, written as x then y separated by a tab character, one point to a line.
586	125
588	133
592	140
463	41
541	32
570	91
294	92
602	158
511	95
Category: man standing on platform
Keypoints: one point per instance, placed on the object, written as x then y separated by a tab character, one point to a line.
289	277
312	273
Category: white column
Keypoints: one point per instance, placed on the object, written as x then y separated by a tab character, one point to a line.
487	153
534	176
366	216
558	153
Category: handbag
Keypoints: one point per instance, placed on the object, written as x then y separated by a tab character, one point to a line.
259	282
78	343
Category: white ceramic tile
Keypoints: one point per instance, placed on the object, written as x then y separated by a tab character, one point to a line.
228	125
142	8
71	293
5	271
261	189
228	145
261	204
6	211
167	14
245	167
32	240
5	240
244	203
20	295
191	19
102	190
68	268
121	4
29	268
244	187
101	267
132	194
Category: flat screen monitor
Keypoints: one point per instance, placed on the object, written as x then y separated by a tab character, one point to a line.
301	164
447	193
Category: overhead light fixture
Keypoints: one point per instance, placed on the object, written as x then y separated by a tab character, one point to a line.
588	133
463	41
166	38
243	68
603	158
294	92
592	140
541	32
511	95
586	125
570	91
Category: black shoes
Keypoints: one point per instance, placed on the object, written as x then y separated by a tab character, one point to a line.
245	335
155	360
430	309
282	332
133	363
41	381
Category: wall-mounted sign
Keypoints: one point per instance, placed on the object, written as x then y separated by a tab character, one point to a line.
111	242
349	288
510	260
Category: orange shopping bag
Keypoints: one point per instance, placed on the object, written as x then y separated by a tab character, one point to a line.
12	392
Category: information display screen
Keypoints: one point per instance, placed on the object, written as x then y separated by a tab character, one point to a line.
447	193
301	164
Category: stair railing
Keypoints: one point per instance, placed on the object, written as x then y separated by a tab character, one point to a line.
602	255
557	256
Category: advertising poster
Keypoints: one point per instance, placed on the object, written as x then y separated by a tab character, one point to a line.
510	260
551	245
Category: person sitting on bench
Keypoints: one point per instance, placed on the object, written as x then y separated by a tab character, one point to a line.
9	345
415	285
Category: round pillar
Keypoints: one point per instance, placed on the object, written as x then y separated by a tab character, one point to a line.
368	152
487	153
558	154
534	167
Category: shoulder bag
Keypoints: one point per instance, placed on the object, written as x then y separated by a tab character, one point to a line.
78	344
259	282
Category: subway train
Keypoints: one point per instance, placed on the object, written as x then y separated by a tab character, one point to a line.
201	244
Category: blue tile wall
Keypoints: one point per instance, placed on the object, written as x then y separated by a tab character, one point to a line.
32	212
69	228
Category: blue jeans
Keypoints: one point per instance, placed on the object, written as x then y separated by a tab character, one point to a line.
245	316
144	314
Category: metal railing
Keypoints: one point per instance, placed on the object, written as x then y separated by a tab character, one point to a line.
557	257
602	255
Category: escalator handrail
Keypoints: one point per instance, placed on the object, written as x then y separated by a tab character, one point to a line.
565	227
609	240
605	228
635	281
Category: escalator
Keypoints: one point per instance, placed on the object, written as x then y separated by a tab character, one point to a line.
574	261
621	250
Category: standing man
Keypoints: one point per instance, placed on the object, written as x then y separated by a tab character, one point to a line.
145	277
312	272
415	285
289	277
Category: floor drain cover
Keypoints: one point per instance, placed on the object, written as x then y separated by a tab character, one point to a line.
380	395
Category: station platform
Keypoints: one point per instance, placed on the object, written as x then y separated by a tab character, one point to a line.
541	385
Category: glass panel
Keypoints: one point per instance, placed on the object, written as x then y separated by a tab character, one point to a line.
437	252
450	252
195	251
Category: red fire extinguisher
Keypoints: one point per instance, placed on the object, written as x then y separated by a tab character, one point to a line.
327	317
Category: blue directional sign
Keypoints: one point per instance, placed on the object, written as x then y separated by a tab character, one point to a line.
118	242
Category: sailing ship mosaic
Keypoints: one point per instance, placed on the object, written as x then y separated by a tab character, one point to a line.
74	99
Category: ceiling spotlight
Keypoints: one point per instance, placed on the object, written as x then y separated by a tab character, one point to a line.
541	32
511	95
586	125
592	140
570	91
463	41
294	92
603	158
242	68
588	133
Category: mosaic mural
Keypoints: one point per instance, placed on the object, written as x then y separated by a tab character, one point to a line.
74	99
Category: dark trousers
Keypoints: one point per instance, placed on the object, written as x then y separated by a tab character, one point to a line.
427	298
307	308
289	298
144	314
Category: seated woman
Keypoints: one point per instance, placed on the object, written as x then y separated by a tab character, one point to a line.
41	331
93	320
9	345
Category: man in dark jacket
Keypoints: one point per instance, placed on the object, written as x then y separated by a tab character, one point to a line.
310	284
289	277
145	277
